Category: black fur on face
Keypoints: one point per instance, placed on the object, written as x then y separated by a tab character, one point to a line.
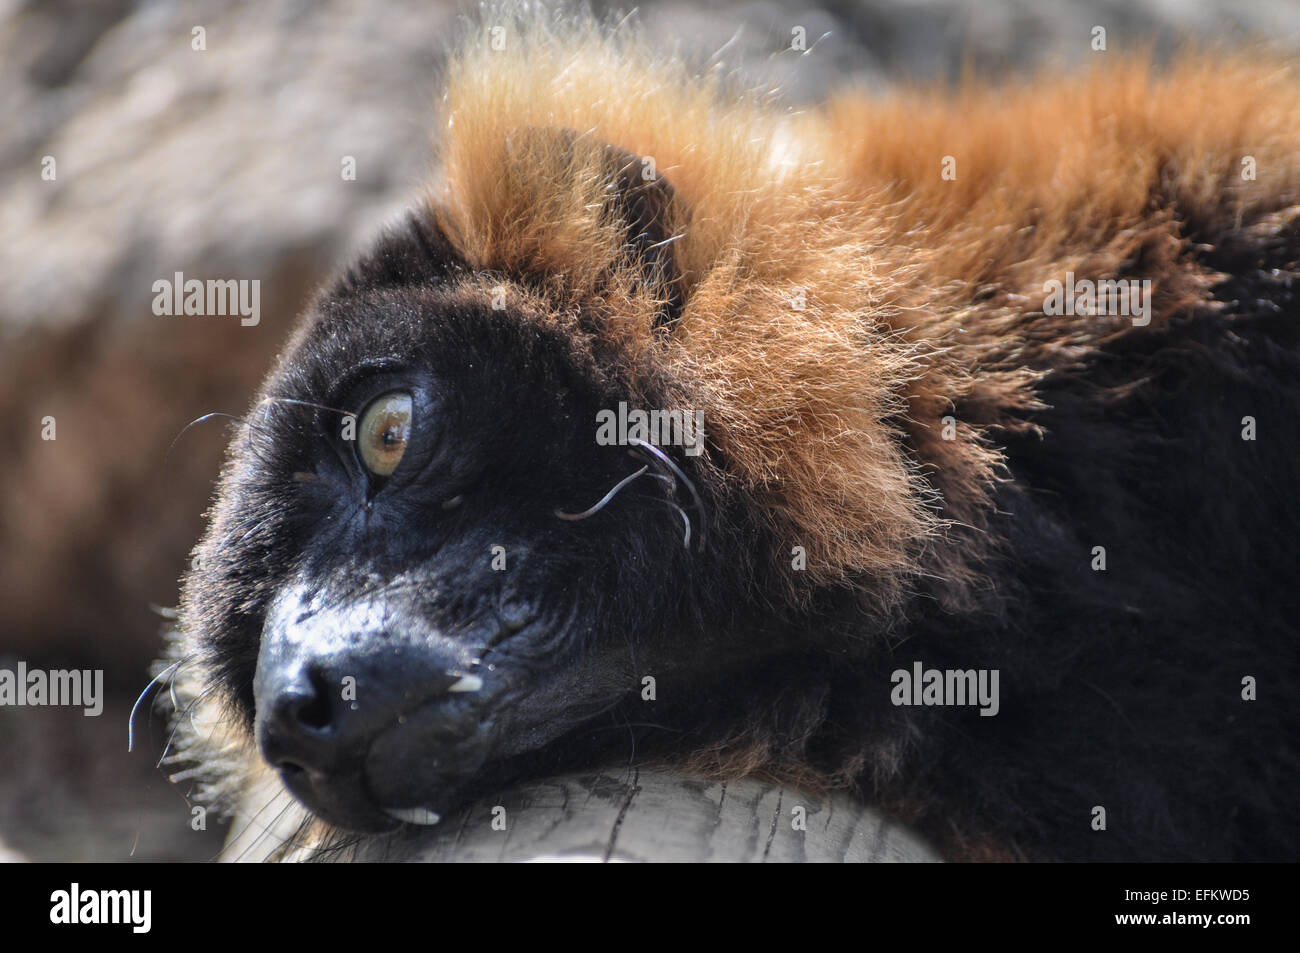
399	643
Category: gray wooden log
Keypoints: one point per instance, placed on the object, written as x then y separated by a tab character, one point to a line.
645	815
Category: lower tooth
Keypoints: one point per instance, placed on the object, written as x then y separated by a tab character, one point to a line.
414	815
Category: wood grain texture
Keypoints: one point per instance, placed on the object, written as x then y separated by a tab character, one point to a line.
644	815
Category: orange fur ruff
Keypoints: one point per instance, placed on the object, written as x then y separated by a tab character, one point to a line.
841	296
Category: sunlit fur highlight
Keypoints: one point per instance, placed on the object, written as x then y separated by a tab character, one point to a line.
920	293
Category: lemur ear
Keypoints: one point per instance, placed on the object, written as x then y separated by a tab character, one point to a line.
641	201
648	204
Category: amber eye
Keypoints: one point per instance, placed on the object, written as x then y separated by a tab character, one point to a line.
385	431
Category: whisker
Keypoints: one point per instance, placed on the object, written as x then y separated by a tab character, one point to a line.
604	500
266	402
188	712
195	422
250	417
171	692
130	722
295	838
667	461
252	821
686	520
299	403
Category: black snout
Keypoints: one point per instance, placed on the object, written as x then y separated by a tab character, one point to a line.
320	706
331	682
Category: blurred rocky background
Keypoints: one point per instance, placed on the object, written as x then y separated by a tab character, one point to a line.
225	162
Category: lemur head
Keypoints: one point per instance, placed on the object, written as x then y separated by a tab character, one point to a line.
428	571
427	562
424	561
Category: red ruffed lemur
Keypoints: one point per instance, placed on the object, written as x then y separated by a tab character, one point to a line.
993	379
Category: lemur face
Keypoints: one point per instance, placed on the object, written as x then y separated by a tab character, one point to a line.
399	590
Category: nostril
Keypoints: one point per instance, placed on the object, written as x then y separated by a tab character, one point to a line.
313	712
305	724
299	713
307	706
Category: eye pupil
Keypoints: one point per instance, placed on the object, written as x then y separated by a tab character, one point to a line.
385	431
